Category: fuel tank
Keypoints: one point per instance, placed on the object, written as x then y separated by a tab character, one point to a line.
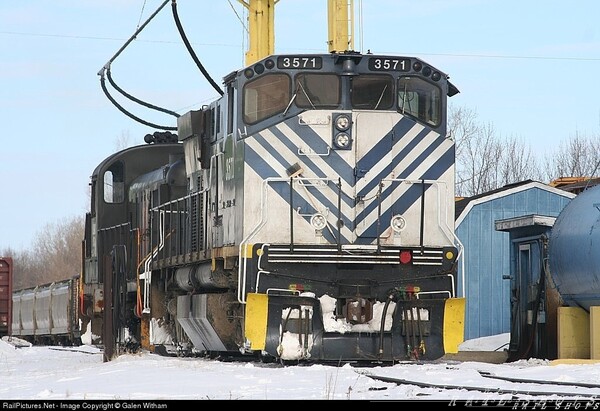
574	250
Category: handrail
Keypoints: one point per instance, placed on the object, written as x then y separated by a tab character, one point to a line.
242	266
147	274
442	222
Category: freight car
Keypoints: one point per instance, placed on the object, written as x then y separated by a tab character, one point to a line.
304	215
47	314
6	269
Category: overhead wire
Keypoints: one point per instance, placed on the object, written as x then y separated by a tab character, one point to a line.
494	56
106	68
127	113
132	98
129	96
141	14
238	17
191	50
105	72
245	29
133	37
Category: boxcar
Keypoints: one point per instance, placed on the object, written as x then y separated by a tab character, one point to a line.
5	295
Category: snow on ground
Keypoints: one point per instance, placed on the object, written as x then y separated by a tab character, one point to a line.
78	373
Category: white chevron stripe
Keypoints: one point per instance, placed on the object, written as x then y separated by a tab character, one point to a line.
408	159
402	188
319	161
291	157
381	165
321	164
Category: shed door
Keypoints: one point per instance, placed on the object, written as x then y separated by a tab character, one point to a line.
527	302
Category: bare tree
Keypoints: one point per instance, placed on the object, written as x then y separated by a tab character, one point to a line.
478	162
122	141
517	162
483	161
579	156
58	245
55	255
24	267
462	126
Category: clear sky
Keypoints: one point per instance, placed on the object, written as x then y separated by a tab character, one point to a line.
528	67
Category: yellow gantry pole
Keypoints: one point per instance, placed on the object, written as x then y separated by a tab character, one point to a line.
340	25
261	27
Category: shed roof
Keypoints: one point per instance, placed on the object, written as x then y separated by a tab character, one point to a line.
463	206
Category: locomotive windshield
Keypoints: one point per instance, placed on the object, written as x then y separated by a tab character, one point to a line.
317	90
272	94
372	92
266	96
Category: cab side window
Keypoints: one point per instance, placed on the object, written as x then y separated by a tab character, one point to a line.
420	99
114	184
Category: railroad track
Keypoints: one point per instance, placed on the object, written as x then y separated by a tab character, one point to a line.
541	382
517	392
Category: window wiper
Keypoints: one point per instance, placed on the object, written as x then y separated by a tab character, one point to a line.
290	104
299	87
380	97
404	99
308	98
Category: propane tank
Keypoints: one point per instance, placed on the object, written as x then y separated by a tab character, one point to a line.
574	250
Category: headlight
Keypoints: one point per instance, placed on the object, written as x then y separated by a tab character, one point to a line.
398	223
342	140
318	221
342	122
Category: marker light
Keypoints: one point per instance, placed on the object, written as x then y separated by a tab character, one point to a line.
405	256
318	221
259	68
398	223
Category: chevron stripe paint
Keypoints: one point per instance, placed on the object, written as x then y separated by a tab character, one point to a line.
405	151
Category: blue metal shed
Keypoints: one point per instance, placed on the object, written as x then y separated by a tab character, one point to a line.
483	275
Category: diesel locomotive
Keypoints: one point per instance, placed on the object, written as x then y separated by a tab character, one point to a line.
306	214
